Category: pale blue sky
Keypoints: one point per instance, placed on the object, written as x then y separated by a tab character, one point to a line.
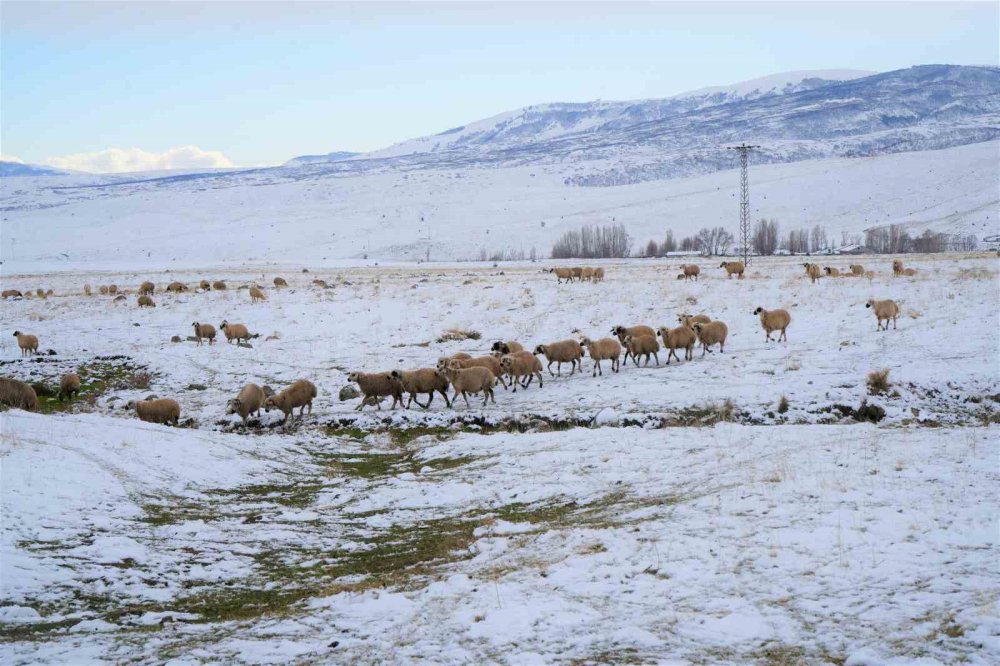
263	82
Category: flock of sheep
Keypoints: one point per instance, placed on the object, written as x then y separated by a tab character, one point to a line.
507	362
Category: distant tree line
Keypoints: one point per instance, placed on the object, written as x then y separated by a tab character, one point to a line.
893	239
594	242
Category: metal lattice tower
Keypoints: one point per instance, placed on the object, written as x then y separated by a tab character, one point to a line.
744	151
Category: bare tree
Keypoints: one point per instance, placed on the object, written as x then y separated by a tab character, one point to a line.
593	242
765	237
713	241
652	248
668	244
819	241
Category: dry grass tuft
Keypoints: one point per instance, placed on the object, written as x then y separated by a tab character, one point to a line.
878	381
455	334
782	405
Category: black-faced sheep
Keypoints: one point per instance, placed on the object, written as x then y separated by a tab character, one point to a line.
774	320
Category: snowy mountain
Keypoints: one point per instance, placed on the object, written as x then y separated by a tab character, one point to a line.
16	169
316	159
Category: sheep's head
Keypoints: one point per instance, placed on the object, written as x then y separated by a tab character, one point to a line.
627	341
540	349
454	365
233	406
585	342
195	325
395	374
223	324
697	327
618	330
827	270
870	303
270	402
352	377
17	333
442	363
758	310
506	362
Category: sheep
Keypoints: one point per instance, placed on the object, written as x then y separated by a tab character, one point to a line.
491	363
564	351
377	385
12	293
642	345
680	276
206	331
587	274
501	348
691	320
205	285
86	290
235	332
870	275
219	285
146	288
897	267
884	310
733	267
462	356
812	271
69	386
320	283
605	349
27	343
621	332
909	272
256	295
577	272
710	333
50	292
103	289
857	270
598	275
562	274
299	394
118	298
17	394
177	287
521	364
774	320
469	380
280	282
161	410
146	301
248	401
689	271
831	271
681	337
112	289
40	292
423	380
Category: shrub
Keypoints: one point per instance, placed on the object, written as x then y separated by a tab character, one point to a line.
878	381
782	405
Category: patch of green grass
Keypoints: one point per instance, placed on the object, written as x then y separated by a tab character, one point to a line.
97	378
297	494
27	631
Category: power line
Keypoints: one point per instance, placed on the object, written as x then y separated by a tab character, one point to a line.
744	151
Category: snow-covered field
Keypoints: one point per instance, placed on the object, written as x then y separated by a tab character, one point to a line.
662	514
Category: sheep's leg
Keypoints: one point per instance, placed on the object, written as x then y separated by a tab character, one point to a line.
893	324
502	382
549	368
559	369
784	336
657	357
466	397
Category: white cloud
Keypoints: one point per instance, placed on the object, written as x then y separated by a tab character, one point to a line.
10	158
121	160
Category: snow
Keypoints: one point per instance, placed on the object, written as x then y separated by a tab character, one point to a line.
777	83
594	519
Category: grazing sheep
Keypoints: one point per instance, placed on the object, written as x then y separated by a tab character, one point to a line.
235	332
681	337
598	275
146	302
205	285
857	270
161	410
206	331
470	380
40	292
12	293
884	311
605	349
501	348
564	351
280	282
774	320
248	401
177	287
909	272
519	365
49	293
812	271
69	386
103	289
577	272
710	333
423	380
256	295
642	345
299	394
690	271
17	394
562	274
320	283
27	343
146	288
491	363
219	285
897	267
587	274
733	268
621	332
831	271
112	289
86	290
691	320
376	385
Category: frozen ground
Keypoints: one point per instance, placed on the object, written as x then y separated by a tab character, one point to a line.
453	536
